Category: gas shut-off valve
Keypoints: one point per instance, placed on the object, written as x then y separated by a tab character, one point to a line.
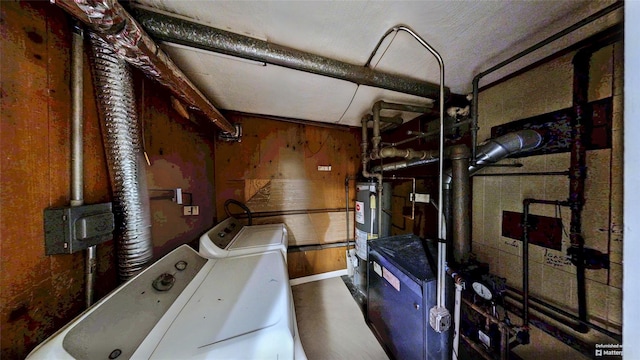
439	318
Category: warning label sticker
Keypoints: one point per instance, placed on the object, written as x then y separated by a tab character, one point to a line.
360	212
377	268
392	279
361	243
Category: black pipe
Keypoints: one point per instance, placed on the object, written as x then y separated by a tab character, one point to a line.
578	172
550	39
525	252
525	263
533	173
548	202
553	311
263	214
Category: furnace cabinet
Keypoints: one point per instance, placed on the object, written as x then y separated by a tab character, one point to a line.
402	276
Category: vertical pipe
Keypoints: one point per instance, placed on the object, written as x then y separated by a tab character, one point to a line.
474	118
77	154
460	182
456	321
346	190
77	159
525	263
577	172
504	343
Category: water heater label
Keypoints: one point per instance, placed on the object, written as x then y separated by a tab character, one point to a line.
392	279
361	243
360	212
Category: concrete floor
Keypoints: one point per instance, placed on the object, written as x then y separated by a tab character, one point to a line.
331	324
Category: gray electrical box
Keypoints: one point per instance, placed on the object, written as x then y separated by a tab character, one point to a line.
71	229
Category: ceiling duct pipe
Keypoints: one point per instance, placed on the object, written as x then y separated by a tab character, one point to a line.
116	104
117	28
188	33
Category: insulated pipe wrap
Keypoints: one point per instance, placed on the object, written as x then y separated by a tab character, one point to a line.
116	104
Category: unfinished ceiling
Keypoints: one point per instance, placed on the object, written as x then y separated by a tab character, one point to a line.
471	36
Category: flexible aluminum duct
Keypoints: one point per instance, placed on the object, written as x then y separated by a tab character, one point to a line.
116	104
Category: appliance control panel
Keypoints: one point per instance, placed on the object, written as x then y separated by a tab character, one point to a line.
223	233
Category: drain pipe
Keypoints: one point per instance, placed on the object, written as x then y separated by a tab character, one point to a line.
77	153
115	26
116	104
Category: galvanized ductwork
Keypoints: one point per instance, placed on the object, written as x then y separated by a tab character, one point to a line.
491	152
122	140
499	148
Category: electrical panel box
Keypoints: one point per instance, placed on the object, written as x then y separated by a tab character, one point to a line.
402	290
71	229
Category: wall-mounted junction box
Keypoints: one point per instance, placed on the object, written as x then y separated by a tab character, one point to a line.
71	229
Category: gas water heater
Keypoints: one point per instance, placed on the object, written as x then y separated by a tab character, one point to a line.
366	224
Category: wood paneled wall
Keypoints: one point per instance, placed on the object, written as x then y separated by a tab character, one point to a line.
181	154
41	293
38	293
275	169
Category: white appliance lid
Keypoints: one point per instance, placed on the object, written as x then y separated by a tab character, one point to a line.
259	236
242	298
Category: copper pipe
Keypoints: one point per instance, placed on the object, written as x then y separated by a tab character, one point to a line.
112	22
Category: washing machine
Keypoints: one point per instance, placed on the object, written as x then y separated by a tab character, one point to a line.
231	238
186	306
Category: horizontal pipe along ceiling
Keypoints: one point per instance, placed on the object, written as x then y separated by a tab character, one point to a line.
188	33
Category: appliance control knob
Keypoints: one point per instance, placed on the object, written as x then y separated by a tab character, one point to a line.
164	282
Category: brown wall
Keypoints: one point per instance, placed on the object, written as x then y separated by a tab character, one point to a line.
182	156
38	293
275	168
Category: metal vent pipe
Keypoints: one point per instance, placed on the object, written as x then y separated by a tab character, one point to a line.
116	104
491	152
112	22
184	32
